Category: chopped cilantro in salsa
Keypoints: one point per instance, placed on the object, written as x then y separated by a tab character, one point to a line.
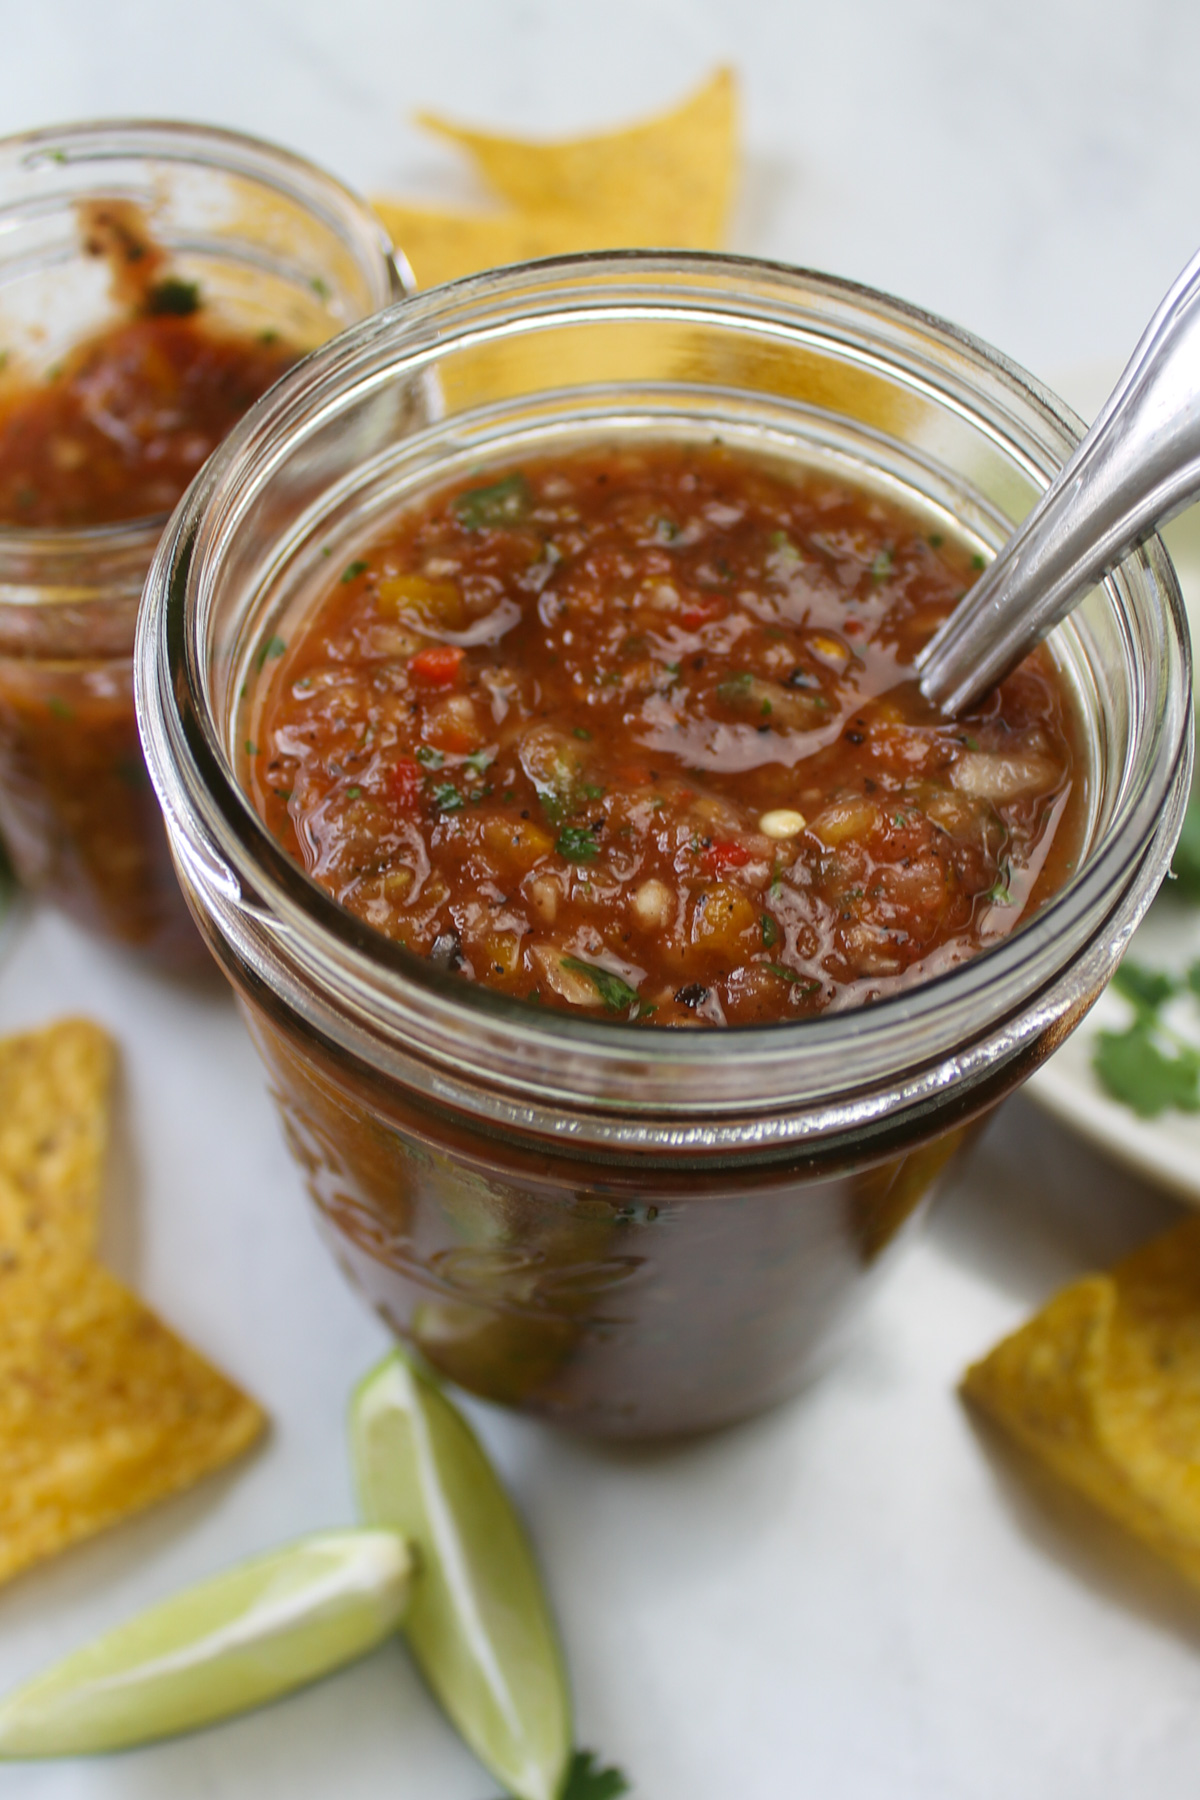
173	298
504	502
683	741
615	993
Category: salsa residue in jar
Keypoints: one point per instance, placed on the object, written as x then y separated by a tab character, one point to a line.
118	427
634	729
109	435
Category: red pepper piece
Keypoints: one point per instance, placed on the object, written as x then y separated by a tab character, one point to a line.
698	613
437	665
407	777
723	855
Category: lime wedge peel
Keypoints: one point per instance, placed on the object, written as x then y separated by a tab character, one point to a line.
478	1624
242	1638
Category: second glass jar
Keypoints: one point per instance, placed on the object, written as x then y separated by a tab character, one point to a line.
278	249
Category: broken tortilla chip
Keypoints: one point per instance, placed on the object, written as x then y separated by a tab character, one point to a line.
676	169
440	246
667	183
54	1088
102	1411
1103	1386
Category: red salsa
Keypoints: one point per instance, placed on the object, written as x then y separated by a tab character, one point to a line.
114	433
117	430
634	730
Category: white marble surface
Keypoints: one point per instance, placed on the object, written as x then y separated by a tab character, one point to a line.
1026	167
857	1596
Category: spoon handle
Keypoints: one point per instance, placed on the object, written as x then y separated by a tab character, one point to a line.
1138	466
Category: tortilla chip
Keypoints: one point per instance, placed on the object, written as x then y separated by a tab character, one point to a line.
673	174
1148	1408
103	1410
441	246
668	182
1103	1386
54	1089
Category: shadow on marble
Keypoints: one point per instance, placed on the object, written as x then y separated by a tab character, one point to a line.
1065	1529
1034	1207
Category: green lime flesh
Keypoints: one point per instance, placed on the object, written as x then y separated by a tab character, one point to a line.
233	1642
478	1623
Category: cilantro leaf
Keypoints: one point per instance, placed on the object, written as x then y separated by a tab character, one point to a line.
586	1780
1000	892
172	298
446	797
1147	988
615	993
274	646
770	932
1186	864
577	844
790	975
734	689
502	503
1133	1068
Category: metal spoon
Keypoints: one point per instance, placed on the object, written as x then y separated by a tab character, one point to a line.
1137	467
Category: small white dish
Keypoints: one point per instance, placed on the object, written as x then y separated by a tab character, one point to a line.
1165	1149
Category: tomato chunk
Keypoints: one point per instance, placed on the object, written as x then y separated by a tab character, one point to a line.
406	779
698	613
437	665
724	854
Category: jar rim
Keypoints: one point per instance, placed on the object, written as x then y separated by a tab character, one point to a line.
579	1079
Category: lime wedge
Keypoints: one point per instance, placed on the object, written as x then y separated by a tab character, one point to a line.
478	1623
231	1643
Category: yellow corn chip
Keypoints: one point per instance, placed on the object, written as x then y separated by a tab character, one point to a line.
1103	1385
102	1411
440	246
671	175
668	182
1148	1406
54	1088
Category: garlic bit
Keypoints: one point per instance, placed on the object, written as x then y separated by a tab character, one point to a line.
782	823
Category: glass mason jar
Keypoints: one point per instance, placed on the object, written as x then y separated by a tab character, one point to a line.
628	1230
275	244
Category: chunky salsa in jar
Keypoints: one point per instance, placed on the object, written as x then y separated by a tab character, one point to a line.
633	730
112	434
